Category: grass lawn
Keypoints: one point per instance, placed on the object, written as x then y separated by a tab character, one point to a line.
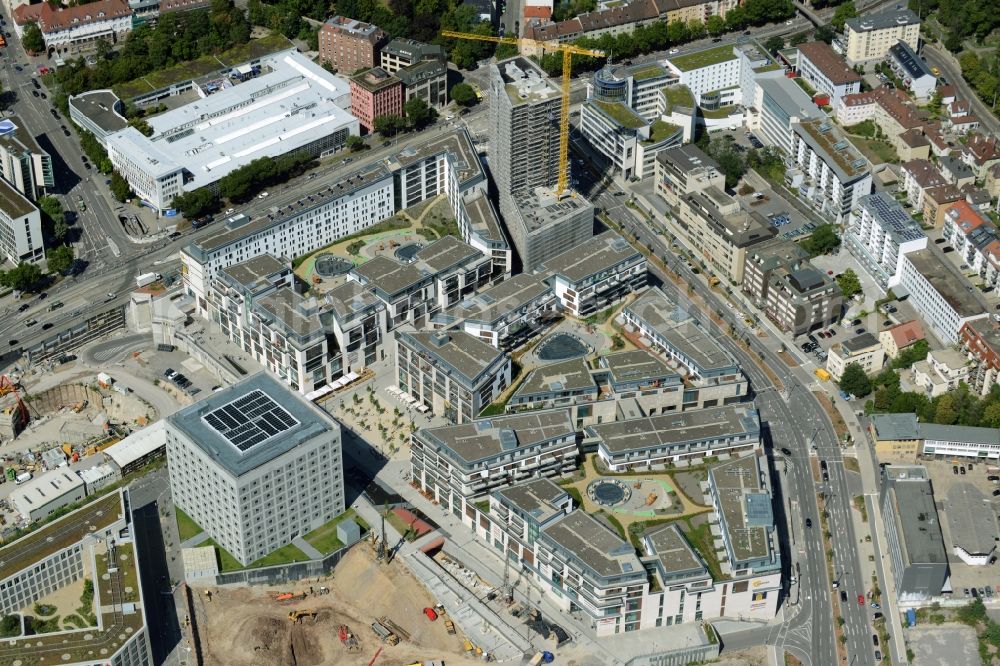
648	72
620	114
700	537
400	526
805	86
879	152
699	59
284	555
723	112
324	538
661	130
679	96
186	526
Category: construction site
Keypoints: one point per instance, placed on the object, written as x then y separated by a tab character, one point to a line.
367	612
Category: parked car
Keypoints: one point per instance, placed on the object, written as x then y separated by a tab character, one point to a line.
878	656
169	372
875	606
859	331
875	639
954	469
961	470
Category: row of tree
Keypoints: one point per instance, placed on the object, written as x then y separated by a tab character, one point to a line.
177	37
959	407
983	74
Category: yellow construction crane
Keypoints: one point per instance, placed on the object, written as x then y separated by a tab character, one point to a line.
568	51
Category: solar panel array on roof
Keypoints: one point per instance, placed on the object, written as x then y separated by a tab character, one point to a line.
250	420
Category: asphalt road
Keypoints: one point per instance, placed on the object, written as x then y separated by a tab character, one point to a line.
953	74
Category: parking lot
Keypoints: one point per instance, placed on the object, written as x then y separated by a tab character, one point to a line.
968	509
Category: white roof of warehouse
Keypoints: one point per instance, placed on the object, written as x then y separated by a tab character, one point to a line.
284	109
138	444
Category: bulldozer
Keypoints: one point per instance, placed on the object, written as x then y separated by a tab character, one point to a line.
298	615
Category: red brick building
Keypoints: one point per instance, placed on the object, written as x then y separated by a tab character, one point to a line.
349	45
375	93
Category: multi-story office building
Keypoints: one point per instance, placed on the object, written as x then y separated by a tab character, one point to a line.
912	71
23	163
763	260
542	226
100	112
831	174
426	80
345	207
451	373
296	106
625	138
672	438
437	278
879	233
375	93
777	103
348	45
975	239
871	36
913	533
306	342
255	466
802	299
506	315
686	169
460	464
402	52
72	30
901	435
596	274
980	338
864	349
826	71
938	293
61	553
676	334
20	226
712	75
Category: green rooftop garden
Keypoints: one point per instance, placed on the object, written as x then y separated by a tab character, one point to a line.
805	86
652	71
706	58
661	130
678	96
621	114
767	68
722	112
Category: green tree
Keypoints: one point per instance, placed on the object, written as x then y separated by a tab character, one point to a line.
60	259
119	187
854	381
991	416
774	44
849	283
463	94
731	162
32	39
22	277
389	125
418	114
196	203
10	626
715	25
822	240
841	14
797	39
51	207
356	144
910	355
944	411
824	33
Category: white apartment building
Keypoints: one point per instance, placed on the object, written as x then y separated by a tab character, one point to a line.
830	173
450	373
440	276
975	239
712	75
912	71
864	349
871	36
879	233
596	274
506	315
20	226
255	466
345	207
826	71
939	294
294	106
941	372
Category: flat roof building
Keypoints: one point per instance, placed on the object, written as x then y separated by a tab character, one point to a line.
741	496
250	438
827	71
542	226
348	45
913	532
100	112
48	492
450	373
294	105
870	37
835	176
674	437
972	524
21	225
939	293
23	162
879	233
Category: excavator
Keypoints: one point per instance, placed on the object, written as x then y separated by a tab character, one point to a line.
298	615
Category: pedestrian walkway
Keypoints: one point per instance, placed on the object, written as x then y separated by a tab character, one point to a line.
307	548
196	540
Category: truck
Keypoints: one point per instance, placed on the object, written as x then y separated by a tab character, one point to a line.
147	278
822	374
104	380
